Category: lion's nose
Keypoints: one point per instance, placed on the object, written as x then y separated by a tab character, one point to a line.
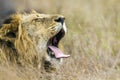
60	19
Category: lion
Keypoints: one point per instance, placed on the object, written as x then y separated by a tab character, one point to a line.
32	39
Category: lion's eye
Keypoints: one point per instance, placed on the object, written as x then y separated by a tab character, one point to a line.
39	19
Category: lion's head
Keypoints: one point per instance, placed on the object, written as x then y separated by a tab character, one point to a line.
34	35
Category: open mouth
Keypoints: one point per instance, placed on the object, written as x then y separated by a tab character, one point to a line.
53	49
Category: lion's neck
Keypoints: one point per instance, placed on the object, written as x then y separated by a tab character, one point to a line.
9	53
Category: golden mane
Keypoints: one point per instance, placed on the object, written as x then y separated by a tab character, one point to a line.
22	54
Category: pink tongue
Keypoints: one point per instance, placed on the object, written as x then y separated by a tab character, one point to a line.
58	53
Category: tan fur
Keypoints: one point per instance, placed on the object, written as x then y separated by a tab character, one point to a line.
23	38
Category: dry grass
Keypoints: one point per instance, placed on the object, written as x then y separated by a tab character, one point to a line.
93	41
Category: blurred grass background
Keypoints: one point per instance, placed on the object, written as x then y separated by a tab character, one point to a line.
92	40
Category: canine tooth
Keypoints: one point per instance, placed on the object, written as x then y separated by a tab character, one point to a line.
64	27
52	52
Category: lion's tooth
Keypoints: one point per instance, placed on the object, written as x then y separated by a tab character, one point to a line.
52	53
64	27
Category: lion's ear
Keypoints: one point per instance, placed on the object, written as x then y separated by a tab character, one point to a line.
9	28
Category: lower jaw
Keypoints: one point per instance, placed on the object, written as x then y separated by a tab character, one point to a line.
52	64
50	67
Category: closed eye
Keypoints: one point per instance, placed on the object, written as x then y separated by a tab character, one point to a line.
39	19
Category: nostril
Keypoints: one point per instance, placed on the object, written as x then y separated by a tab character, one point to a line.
60	19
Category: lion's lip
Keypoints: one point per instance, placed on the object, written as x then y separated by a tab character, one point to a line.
53	50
